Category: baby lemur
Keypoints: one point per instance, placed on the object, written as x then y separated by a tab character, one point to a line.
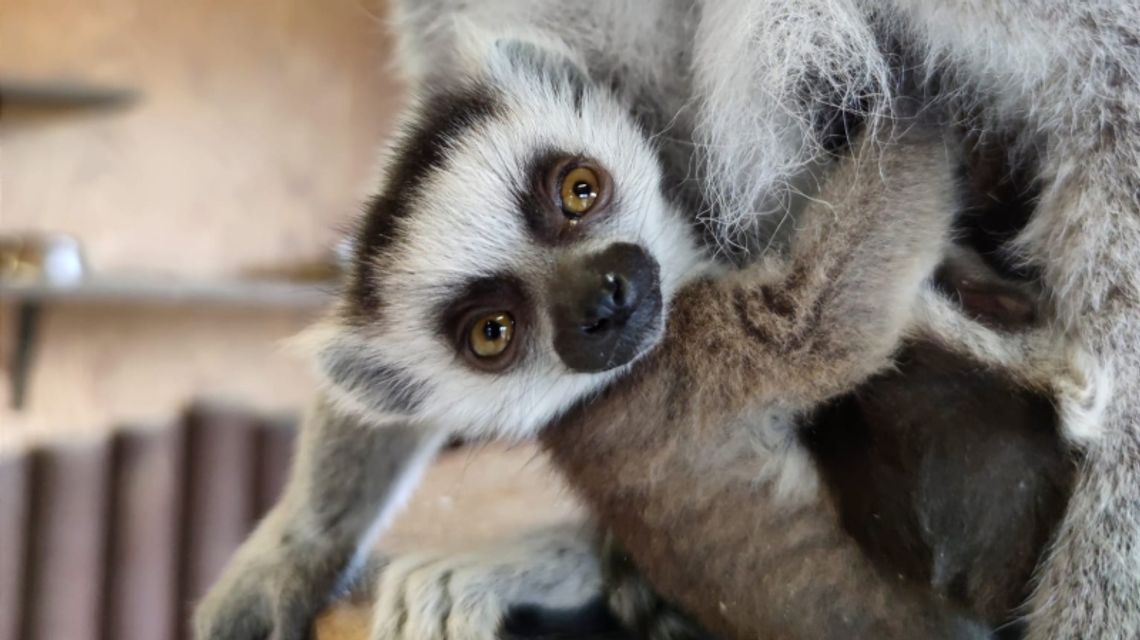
521	166
946	472
948	475
719	465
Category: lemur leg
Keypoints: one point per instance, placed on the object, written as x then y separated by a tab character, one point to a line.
1066	76
346	480
466	596
1044	359
694	453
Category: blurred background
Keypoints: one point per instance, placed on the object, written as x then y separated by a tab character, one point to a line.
175	178
192	151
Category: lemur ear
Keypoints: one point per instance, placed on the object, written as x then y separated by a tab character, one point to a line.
425	35
352	373
444	41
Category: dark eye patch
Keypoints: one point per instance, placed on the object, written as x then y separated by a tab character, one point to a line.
421	149
535	202
539	199
500	292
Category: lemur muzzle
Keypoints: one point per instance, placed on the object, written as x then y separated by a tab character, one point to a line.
605	306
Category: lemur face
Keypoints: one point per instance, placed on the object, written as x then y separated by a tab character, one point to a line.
520	253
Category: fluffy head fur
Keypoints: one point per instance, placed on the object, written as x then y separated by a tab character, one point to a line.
610	81
455	213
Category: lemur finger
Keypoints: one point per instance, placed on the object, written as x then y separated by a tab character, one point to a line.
478	618
240	612
436	596
427	602
467	595
391	610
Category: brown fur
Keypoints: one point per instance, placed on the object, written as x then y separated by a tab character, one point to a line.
951	474
753	348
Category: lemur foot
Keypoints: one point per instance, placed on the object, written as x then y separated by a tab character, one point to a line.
1082	394
466	596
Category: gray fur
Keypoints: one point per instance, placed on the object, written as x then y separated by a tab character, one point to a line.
1065	77
728	92
388	389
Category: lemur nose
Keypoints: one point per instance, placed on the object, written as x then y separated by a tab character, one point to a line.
609	304
604	306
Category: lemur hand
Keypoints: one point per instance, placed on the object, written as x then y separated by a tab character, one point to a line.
467	596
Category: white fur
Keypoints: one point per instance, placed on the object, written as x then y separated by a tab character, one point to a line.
753	156
464	596
466	224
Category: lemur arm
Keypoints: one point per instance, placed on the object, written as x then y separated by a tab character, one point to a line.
344	483
832	312
691	455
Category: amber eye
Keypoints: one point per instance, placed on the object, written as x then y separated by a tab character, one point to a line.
491	334
579	191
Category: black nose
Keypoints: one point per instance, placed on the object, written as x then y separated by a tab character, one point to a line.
608	304
606	307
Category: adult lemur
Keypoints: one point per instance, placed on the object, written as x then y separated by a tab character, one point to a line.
752	84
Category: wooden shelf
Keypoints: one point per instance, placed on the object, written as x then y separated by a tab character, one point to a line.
124	292
173	292
33	102
62	94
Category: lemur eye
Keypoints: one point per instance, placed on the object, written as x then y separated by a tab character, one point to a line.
580	187
491	334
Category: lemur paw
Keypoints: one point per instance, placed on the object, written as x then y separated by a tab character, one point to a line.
466	596
259	597
1082	394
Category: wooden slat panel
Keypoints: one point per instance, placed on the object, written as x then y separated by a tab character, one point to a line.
14	511
142	580
220	496
68	542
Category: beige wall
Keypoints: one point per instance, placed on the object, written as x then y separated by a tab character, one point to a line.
250	147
